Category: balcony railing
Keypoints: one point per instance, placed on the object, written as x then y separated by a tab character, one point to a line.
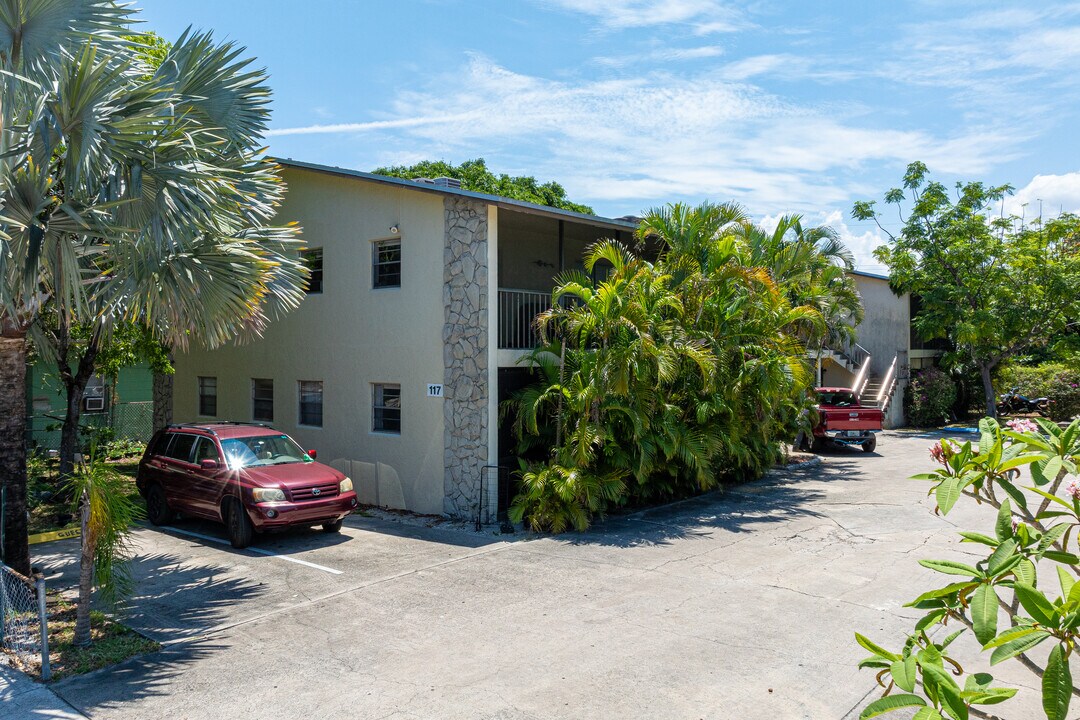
517	314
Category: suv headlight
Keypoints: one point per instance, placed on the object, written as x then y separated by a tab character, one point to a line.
268	494
346	486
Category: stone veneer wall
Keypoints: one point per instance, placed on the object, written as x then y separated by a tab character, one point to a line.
465	353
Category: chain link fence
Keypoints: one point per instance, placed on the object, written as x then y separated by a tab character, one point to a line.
132	421
23	620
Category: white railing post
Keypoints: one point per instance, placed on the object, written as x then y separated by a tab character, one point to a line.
887	384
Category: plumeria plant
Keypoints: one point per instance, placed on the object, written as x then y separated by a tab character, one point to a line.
1023	594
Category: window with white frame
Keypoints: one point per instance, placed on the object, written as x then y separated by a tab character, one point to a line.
386	263
207	396
311	403
386	408
262	400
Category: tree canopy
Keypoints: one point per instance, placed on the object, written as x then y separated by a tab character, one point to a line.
475	175
664	377
992	286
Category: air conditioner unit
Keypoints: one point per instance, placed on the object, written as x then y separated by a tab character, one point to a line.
93	404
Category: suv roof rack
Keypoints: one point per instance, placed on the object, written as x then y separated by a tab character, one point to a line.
202	426
190	426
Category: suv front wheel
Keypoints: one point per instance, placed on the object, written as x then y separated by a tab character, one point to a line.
239	525
157	507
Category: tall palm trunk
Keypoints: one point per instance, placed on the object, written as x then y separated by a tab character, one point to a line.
86	575
13	446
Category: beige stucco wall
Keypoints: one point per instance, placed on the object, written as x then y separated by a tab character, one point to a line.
351	336
885	331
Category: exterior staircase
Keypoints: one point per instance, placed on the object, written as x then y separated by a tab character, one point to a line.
873	389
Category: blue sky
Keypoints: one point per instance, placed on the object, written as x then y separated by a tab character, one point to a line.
783	106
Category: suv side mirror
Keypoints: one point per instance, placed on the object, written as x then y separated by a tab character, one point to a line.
312	454
209	464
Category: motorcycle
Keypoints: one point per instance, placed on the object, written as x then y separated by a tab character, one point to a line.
1013	402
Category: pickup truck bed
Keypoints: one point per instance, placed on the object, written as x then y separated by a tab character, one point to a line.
843	419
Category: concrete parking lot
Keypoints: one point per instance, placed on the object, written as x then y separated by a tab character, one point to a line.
735	605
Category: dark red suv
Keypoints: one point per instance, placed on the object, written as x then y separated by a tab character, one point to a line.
250	477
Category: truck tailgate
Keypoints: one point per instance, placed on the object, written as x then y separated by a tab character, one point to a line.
860	418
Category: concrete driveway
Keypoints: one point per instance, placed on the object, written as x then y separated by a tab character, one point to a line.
735	605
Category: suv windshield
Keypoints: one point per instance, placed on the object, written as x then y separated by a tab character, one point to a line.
838	398
263	450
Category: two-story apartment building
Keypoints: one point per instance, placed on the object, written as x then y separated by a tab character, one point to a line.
420	306
421	294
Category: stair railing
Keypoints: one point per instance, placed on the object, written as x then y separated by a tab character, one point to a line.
862	378
887	386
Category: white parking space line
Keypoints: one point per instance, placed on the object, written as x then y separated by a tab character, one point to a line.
260	551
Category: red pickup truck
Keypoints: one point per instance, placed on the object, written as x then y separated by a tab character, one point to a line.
843	419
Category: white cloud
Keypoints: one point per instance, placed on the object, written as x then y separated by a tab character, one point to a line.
358	127
664	55
1055	193
861	245
661	135
707	16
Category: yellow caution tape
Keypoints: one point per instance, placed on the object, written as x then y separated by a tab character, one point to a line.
64	534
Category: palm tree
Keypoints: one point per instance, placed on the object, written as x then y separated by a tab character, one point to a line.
128	193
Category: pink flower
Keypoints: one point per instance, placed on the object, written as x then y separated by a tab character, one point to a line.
1023	425
942	451
1072	487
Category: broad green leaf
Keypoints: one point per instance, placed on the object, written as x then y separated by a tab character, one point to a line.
926	476
931	618
947	493
1057	685
1014	492
1062	557
874	661
1073	600
1036	604
1051	536
1025	572
1010	634
1017	645
993	696
950	567
875	648
1046	470
1008	565
1003	527
1067	582
984	613
948	691
946	591
989	433
927	713
1052	497
978	681
979	538
996	561
904	673
889	703
948	640
1018	461
930	655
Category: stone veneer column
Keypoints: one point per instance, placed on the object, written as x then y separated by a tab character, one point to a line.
465	353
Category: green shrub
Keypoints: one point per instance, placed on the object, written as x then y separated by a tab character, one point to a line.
555	498
929	398
1057	381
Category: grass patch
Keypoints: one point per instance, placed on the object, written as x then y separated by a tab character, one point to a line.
111	642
